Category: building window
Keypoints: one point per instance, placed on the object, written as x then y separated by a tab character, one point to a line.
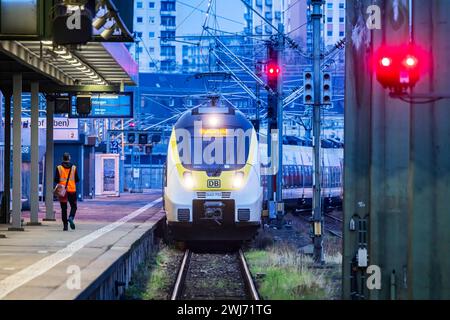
330	5
139	35
167	65
167	51
139	5
168	21
330	19
341	5
151	49
151	20
151	64
139	20
151	5
341	20
341	34
139	49
167	5
151	35
330	33
167	35
278	15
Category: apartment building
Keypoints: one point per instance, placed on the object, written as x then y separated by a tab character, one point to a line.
155	28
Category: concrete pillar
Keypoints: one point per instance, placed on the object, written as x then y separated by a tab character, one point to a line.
7	160
49	167
16	223
34	181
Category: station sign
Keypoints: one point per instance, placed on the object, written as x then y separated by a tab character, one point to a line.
106	105
63	128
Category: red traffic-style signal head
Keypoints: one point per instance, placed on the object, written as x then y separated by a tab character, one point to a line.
399	67
273	70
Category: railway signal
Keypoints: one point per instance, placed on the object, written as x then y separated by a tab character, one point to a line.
326	88
399	67
308	93
273	70
143	138
131	138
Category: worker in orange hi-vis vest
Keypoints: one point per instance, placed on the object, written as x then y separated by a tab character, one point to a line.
67	174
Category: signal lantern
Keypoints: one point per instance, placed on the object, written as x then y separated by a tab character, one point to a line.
326	88
143	138
273	70
399	67
308	92
131	138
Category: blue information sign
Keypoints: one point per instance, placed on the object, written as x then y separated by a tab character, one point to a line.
106	105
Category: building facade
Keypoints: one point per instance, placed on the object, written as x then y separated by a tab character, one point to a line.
155	29
295	15
271	10
334	14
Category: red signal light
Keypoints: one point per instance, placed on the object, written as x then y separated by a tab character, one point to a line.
386	62
273	70
410	61
399	67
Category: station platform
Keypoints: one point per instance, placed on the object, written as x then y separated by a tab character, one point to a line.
94	261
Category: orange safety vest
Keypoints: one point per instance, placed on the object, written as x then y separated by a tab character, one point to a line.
63	176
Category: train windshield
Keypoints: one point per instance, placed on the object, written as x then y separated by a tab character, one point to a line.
214	143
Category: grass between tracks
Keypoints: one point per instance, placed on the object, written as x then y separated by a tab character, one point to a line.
283	274
153	279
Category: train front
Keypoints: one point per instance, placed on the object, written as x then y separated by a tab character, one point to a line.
212	186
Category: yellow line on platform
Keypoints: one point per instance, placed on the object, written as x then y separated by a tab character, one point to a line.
20	278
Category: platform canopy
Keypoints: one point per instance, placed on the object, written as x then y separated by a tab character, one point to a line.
90	64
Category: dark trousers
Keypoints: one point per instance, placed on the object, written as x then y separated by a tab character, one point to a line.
70	197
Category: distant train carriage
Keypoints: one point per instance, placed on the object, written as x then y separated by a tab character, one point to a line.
298	176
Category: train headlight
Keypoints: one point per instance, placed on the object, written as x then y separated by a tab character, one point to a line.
213	121
238	179
188	180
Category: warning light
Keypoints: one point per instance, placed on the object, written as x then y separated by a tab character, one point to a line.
386	62
273	70
399	67
411	61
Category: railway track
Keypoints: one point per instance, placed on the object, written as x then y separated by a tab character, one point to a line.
214	276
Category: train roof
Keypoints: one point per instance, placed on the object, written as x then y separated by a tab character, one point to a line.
227	116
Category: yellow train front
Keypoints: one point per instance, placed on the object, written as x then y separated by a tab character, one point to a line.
212	188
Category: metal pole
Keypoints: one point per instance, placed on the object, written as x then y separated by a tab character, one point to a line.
34	181
279	176
49	167
122	160
16	223
317	201
7	160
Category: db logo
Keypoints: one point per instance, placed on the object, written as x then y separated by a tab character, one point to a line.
213	183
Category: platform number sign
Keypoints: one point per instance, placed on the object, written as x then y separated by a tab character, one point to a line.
213	183
115	146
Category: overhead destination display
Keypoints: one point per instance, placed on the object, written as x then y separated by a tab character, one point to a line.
105	105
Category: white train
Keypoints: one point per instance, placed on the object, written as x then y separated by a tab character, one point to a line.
212	187
213	182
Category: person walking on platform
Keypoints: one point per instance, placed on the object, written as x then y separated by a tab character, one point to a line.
66	176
